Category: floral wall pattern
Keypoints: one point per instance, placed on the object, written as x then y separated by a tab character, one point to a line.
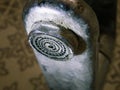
18	66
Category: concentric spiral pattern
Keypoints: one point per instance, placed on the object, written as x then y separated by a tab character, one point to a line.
50	46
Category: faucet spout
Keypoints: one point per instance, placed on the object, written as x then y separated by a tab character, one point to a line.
64	40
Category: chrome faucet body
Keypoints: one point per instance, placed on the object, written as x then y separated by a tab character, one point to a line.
64	37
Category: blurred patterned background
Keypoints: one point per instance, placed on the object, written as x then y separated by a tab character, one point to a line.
19	69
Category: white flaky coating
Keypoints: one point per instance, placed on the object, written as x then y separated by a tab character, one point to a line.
74	74
60	17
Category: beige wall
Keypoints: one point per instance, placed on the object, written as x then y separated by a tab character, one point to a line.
113	78
18	67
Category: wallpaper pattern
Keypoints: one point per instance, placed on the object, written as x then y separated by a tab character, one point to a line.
18	66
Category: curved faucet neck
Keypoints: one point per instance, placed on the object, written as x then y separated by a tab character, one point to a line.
55	34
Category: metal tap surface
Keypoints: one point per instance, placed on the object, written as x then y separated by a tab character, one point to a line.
64	37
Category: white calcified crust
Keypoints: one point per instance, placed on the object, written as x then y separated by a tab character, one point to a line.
47	13
75	74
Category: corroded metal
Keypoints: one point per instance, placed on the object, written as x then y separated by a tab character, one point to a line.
64	38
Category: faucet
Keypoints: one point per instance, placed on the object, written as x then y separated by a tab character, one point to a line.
64	37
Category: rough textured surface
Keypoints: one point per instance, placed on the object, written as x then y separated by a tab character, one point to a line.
18	67
76	72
